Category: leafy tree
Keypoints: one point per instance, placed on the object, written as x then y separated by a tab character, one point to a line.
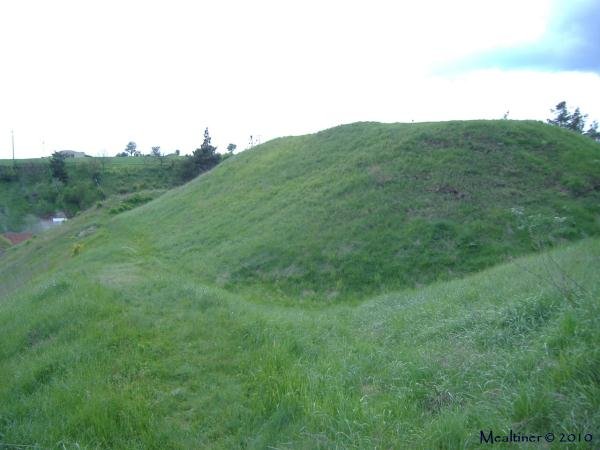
231	148
131	148
58	167
122	154
157	154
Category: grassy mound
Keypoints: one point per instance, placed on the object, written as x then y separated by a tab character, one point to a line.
364	208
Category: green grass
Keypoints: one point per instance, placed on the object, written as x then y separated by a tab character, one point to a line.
198	320
110	161
28	192
119	356
365	208
4	244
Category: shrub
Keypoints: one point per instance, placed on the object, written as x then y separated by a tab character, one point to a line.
8	173
130	203
77	248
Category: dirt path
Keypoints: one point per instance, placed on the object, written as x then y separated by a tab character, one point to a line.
16	238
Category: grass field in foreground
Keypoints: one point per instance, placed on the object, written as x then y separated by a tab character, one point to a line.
184	323
104	356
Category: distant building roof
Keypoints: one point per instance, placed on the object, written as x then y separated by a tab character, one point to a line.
72	154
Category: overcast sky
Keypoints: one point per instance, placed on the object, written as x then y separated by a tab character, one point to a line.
91	76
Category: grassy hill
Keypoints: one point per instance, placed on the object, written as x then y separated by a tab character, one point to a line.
365	208
224	313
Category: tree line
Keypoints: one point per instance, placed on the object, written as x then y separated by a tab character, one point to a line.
574	121
201	160
50	185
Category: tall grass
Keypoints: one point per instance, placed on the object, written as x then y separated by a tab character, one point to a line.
119	357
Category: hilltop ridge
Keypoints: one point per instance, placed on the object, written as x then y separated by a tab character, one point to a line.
368	207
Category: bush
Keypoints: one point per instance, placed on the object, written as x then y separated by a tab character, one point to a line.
130	203
187	170
77	248
80	196
8	174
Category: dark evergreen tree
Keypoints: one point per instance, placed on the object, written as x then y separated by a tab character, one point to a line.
205	157
573	121
562	116
202	159
58	167
577	121
593	131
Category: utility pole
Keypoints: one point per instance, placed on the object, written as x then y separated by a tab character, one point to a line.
12	135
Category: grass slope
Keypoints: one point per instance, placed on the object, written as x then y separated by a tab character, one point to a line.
115	356
365	208
124	330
